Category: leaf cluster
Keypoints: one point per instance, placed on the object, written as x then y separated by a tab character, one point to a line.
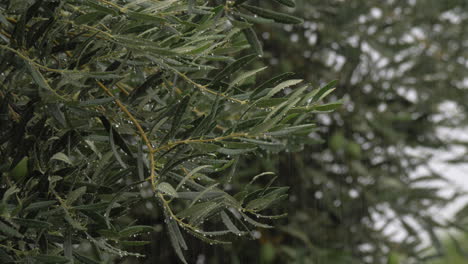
110	109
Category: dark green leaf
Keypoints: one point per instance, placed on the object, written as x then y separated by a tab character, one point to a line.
276	16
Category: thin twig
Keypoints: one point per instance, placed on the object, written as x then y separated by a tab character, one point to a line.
142	133
186	141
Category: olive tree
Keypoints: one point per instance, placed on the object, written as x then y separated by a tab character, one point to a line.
123	124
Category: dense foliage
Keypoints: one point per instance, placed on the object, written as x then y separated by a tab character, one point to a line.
131	128
123	124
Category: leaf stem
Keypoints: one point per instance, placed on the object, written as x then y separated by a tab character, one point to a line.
186	141
142	133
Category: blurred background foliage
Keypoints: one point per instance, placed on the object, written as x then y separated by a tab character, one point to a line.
455	250
401	66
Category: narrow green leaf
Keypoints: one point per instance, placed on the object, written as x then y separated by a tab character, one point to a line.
235	151
288	3
134	243
9	230
270	102
131	230
166	188
252	38
151	81
139	45
84	259
175	240
75	194
264	202
233	67
290	130
158	125
101	8
19	171
67	244
46	92
253	222
328	107
190	174
51	259
39	205
203	236
92	207
268	145
118	139
31	223
109	233
138	16
276	16
205	213
202	193
238	145
189	212
324	91
270	123
270	83
241	24
114	150
229	224
254	19
214	233
205	147
88	17
180	238
238	80
9	192
239	2
282	85
96	102
179	113
62	157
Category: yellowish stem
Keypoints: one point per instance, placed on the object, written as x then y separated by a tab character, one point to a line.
142	133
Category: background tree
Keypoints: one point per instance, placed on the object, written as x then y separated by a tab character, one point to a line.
454	251
399	65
